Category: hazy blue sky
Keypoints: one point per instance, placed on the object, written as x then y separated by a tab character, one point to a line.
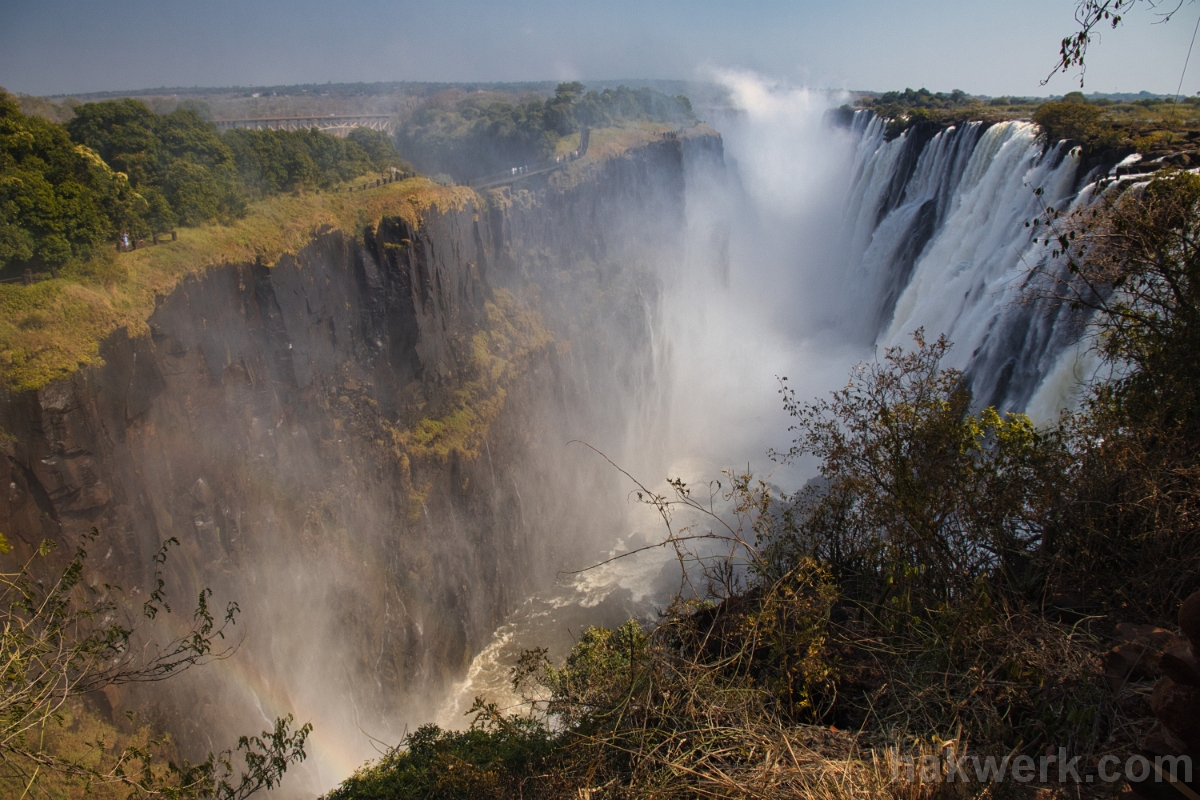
999	47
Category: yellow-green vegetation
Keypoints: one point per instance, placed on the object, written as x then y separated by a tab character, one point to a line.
1149	125
616	140
499	352
103	753
118	171
613	142
54	327
1145	127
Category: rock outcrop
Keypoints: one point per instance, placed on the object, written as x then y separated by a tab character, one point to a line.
1175	702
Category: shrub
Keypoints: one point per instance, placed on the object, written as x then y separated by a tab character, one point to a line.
61	639
1131	262
1076	122
919	499
498	758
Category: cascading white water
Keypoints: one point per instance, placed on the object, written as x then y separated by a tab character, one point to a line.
936	225
820	243
901	192
753	298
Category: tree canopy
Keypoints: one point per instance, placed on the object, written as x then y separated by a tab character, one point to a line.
1095	14
467	135
119	168
58	199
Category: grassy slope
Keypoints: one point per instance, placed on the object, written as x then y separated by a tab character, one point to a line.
54	327
50	329
605	143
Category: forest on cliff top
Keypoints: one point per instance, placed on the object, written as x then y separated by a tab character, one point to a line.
115	168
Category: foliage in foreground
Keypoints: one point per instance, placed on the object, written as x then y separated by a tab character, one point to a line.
1132	262
863	605
61	639
497	758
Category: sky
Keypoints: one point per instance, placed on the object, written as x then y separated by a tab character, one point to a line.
991	48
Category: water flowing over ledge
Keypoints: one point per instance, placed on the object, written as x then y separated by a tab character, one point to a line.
935	232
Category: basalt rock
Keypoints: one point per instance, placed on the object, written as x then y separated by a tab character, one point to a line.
1178	709
1175	703
1176	698
1136	654
1189	621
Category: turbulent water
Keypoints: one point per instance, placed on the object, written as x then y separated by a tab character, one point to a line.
936	228
818	245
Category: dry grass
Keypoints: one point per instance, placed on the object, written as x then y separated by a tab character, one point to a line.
499	352
743	695
54	327
614	142
696	710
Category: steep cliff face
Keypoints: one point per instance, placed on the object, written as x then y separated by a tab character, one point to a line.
262	424
361	443
591	248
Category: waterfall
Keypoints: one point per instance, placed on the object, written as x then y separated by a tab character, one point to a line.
934	230
803	246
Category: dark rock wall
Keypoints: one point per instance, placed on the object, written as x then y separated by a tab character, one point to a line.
255	425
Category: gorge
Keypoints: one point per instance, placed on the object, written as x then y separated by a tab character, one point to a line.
366	443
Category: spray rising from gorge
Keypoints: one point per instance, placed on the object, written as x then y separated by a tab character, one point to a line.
808	248
381	427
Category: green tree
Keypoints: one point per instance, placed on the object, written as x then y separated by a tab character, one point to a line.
1092	15
1074	121
184	134
177	162
122	132
919	499
379	148
57	200
559	110
270	161
192	192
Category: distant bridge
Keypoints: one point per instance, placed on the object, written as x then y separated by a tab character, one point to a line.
336	124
